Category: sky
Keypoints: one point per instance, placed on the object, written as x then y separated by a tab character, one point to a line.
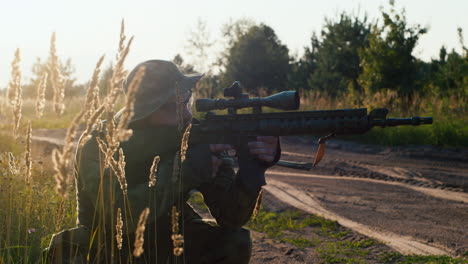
87	29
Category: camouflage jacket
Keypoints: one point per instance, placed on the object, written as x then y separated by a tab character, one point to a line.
99	193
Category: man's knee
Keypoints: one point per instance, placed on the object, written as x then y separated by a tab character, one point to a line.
243	241
67	246
239	246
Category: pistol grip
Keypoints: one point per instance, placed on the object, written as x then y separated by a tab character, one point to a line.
251	171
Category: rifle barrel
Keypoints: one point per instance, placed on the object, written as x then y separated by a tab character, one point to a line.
413	121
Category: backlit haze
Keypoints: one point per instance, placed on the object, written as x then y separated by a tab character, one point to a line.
87	29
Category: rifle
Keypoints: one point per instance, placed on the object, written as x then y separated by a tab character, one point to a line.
237	129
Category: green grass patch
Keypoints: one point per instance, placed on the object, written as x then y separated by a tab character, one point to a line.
300	242
394	257
289	226
345	251
444	133
276	225
196	200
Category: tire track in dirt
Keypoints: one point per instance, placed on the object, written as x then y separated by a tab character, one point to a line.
306	202
354	167
437	193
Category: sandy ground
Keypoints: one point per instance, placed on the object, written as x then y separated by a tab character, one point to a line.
412	198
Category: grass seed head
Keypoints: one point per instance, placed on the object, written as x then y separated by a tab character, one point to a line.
121	171
153	171
40	98
122	39
93	121
139	233
57	81
12	164
63	159
15	80
15	92
92	93
123	133
184	144
175	220
257	204
177	239
119	227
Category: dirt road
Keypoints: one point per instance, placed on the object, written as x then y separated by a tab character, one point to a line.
415	199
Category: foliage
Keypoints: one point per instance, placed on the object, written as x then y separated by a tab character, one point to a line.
388	62
230	34
337	59
106	75
186	68
449	73
67	70
301	69
198	46
257	59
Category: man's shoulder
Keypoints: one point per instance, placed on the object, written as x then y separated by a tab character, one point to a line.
87	143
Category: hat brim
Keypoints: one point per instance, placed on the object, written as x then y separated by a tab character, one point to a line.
189	81
186	84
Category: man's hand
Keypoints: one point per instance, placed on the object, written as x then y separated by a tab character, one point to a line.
265	148
215	161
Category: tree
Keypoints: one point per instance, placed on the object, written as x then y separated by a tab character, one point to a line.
186	68
388	62
230	34
301	69
331	64
337	58
198	47
449	74
258	60
104	79
66	69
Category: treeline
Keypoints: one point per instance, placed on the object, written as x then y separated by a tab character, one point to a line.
351	58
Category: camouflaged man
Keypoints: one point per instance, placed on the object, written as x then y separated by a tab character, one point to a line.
155	133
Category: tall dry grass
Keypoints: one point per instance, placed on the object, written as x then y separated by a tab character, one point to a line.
15	92
56	78
139	233
450	127
27	226
153	171
41	99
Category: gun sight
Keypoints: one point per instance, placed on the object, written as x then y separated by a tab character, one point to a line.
288	100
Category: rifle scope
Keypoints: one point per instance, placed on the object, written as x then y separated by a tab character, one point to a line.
288	100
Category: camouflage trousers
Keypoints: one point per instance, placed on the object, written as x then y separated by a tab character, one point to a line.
204	242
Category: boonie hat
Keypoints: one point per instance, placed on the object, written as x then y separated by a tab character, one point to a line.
158	86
